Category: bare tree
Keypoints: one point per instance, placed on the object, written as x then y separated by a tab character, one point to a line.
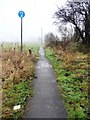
77	13
51	39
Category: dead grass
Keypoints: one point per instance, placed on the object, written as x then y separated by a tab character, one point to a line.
16	68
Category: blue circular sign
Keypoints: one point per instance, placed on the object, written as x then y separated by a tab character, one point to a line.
21	14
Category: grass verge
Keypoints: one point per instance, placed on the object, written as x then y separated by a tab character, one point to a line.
72	78
16	95
18	70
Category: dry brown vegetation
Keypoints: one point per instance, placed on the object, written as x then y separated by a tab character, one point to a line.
72	70
17	68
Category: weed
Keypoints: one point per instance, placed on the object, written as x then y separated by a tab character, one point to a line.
72	73
18	70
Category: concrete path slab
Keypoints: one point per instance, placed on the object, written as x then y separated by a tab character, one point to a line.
46	102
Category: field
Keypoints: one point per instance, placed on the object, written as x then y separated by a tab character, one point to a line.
72	71
18	70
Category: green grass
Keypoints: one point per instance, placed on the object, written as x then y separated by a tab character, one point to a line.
17	95
26	46
33	46
7	45
73	88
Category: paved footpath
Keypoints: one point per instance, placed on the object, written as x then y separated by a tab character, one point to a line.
46	103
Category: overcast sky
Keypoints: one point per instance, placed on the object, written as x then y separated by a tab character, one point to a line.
38	13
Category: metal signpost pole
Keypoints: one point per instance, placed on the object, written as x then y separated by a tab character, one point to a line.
21	36
21	14
41	36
